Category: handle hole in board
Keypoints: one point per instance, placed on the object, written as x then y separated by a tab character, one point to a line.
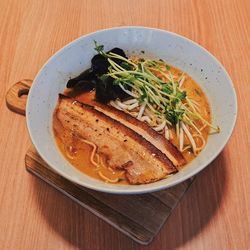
23	93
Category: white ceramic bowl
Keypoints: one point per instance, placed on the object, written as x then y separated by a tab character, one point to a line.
175	49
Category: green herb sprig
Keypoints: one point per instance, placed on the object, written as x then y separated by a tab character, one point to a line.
165	98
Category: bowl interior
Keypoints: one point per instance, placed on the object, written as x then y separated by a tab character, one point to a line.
176	50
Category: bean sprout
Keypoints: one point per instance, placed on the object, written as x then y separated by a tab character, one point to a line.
141	111
190	137
161	126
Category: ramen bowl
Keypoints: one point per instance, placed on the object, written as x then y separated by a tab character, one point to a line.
178	51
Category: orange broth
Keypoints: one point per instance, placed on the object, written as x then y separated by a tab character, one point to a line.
78	153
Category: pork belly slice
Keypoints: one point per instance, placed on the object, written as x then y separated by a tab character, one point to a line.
158	140
121	146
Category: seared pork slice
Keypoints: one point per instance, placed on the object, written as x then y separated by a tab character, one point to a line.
158	140
121	146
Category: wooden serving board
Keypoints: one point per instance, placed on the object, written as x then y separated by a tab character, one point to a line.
138	216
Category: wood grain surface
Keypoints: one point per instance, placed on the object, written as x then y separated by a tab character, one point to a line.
215	212
16	96
138	216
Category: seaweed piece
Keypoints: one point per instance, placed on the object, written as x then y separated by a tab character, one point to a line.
84	78
91	78
100	64
119	52
105	90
